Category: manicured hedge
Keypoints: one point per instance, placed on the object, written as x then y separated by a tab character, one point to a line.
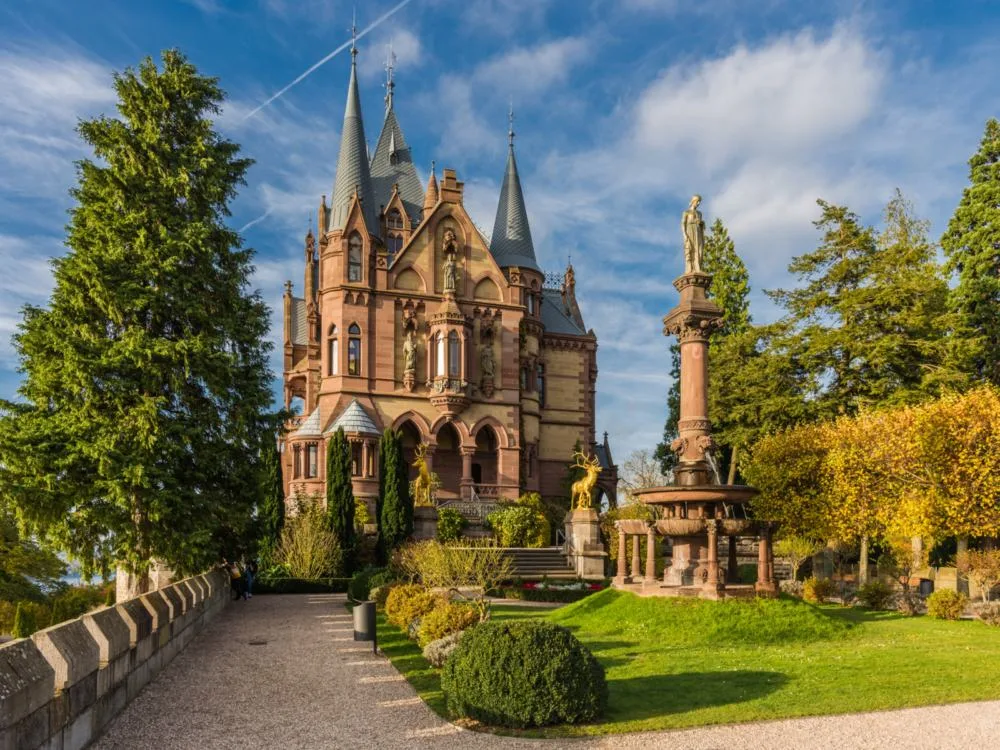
300	585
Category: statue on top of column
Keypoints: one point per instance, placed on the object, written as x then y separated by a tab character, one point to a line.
693	228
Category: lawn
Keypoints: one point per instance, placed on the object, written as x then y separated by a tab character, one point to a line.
678	663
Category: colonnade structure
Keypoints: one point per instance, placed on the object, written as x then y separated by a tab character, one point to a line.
697	509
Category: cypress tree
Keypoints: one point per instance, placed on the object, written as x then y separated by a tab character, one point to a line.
972	247
271	511
395	507
340	494
146	390
24	622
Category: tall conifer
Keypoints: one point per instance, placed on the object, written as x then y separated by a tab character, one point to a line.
271	511
146	391
340	493
395	511
972	246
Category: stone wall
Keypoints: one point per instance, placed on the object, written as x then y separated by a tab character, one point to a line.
60	688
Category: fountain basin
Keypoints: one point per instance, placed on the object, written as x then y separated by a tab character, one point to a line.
680	526
734	494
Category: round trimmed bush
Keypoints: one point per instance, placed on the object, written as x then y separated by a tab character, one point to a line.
876	595
945	604
524	673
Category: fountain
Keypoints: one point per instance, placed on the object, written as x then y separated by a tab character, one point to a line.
697	508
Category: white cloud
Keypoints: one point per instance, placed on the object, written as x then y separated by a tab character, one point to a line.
529	71
406	46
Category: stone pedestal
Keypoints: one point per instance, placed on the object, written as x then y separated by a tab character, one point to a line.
583	543
689	563
425	522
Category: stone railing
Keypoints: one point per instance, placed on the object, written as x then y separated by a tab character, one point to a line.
61	687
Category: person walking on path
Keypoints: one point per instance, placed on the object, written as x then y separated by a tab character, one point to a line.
249	573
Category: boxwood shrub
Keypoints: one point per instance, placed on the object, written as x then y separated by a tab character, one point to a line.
408	603
946	604
523	673
445	619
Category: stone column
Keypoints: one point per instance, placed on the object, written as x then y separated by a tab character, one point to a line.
765	563
650	556
636	562
761	558
732	564
363	469
621	556
711	587
466	484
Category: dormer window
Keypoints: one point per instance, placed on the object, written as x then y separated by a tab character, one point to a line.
354	258
394	220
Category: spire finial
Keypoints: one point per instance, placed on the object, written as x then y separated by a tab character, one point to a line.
432	166
390	63
510	123
354	36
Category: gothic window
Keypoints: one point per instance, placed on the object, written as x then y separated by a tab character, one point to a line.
394	219
332	352
354	258
531	304
354	350
312	461
454	355
297	461
393	244
356	459
441	362
540	384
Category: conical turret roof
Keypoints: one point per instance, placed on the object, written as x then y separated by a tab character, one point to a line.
511	244
392	164
353	171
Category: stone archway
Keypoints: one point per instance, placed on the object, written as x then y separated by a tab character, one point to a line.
410	438
486	459
448	462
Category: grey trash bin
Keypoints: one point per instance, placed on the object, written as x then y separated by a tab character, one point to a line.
364	623
926	587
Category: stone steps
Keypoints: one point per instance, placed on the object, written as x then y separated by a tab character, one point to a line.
543	562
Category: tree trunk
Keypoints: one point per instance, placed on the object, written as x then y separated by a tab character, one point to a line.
863	562
961	547
732	465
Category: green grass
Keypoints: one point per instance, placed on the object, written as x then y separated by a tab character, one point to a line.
679	663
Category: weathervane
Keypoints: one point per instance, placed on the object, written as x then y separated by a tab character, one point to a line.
354	33
510	121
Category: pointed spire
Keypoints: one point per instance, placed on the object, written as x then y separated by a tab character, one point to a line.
353	172
511	244
431	198
390	64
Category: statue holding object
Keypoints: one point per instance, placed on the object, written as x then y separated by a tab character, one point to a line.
693	229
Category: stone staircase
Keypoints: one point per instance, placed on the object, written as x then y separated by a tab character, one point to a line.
542	562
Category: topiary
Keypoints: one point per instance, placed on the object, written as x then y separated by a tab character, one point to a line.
449	525
524	673
437	652
445	619
876	595
408	602
946	604
817	590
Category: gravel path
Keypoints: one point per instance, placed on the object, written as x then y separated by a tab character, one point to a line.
311	687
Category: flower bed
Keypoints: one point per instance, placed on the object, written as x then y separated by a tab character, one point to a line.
549	591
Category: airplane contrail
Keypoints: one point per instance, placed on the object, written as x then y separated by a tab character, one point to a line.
333	54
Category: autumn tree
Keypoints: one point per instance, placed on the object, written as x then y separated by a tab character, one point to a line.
146	391
971	245
638	471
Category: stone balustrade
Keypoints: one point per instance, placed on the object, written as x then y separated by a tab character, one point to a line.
60	688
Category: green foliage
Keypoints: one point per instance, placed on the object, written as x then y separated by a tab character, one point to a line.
546	595
524	674
971	245
27	569
408	602
450	525
445	619
24	621
946	604
394	509
363	581
271	510
361	515
109	597
146	392
308	548
818	589
631	510
340	494
876	595
522	524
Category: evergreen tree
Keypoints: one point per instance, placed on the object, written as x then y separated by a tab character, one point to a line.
730	290
972	247
24	621
271	511
340	493
395	506
146	384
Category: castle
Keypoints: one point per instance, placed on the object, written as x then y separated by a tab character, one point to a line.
411	318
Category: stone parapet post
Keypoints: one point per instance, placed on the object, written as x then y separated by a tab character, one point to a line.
583	543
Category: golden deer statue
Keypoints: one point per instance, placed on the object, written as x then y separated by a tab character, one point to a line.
423	483
583	488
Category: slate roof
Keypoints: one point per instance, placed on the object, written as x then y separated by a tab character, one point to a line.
352	163
355	419
300	324
391	165
311	426
511	244
555	318
602	456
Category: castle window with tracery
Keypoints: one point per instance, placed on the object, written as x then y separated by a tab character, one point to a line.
354	258
354	349
454	355
332	351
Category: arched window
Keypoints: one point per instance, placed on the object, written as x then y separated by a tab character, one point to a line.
356	456
312	461
354	258
454	356
442	367
393	244
332	352
394	220
540	384
531	303
354	349
297	461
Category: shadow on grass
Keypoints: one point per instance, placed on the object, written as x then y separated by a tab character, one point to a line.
636	698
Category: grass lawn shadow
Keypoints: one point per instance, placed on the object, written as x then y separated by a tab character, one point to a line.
637	698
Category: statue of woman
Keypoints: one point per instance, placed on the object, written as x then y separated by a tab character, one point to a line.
409	353
486	364
693	228
450	273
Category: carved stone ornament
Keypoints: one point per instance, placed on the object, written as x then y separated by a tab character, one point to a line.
705	443
487	368
679	445
409	361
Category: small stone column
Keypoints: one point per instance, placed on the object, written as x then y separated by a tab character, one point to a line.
732	564
636	562
650	556
765	563
711	588
363	469
467	484
621	556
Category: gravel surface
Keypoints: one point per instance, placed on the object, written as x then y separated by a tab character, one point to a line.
310	686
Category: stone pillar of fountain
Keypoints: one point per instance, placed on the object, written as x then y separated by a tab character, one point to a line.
636	561
650	578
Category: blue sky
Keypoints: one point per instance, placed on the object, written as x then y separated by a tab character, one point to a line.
624	109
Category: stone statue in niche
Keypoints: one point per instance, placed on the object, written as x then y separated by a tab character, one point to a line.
409	361
487	367
693	228
450	274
